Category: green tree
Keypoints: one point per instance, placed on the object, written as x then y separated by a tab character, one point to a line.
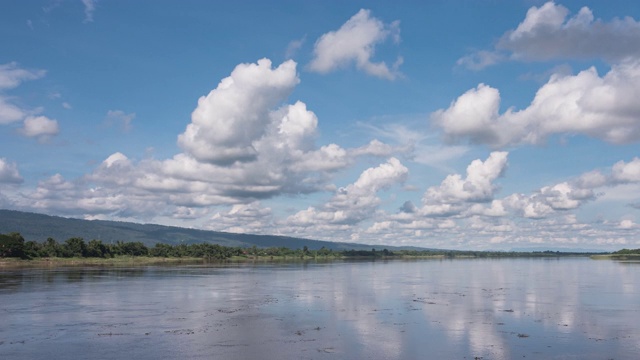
50	248
12	245
95	248
74	247
32	249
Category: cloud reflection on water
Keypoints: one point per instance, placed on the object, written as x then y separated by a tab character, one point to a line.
496	309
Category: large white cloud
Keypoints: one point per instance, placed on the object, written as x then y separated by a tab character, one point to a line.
601	107
547	32
355	42
244	144
227	122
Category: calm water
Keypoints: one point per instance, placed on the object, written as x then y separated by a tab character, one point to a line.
433	309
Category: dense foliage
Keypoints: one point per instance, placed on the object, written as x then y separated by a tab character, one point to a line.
14	245
627	252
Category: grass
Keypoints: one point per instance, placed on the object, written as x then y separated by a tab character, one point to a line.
616	257
116	261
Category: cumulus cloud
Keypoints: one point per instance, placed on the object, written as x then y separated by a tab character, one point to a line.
233	116
548	32
549	199
355	42
572	194
244	144
9	173
477	186
600	107
40	127
353	203
626	172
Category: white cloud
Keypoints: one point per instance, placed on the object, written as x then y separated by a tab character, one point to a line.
549	199
600	107
9	172
351	204
246	114
40	127
547	33
89	9
243	218
628	225
10	113
355	42
476	187
626	172
572	194
228	121
11	75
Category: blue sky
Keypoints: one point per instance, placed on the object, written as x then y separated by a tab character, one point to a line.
450	124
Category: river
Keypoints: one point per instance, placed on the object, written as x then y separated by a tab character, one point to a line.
566	308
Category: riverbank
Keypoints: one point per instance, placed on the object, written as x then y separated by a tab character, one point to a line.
8	263
634	257
131	261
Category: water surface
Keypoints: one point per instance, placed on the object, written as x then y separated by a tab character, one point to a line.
570	308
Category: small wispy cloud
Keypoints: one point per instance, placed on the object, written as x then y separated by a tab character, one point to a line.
120	118
89	9
294	46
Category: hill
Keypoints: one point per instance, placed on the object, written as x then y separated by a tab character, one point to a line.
39	227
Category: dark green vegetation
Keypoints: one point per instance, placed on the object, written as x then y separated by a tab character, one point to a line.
32	236
627	252
13	245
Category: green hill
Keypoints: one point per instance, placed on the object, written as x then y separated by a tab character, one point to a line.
39	227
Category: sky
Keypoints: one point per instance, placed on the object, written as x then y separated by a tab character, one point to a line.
455	124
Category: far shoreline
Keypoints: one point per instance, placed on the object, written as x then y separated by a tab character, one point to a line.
136	261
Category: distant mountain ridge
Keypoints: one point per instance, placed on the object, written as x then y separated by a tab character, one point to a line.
39	227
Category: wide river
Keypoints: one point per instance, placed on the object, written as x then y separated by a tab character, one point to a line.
569	308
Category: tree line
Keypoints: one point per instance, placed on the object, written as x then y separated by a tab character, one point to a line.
14	245
627	252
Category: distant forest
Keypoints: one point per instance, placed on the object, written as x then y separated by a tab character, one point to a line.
14	245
